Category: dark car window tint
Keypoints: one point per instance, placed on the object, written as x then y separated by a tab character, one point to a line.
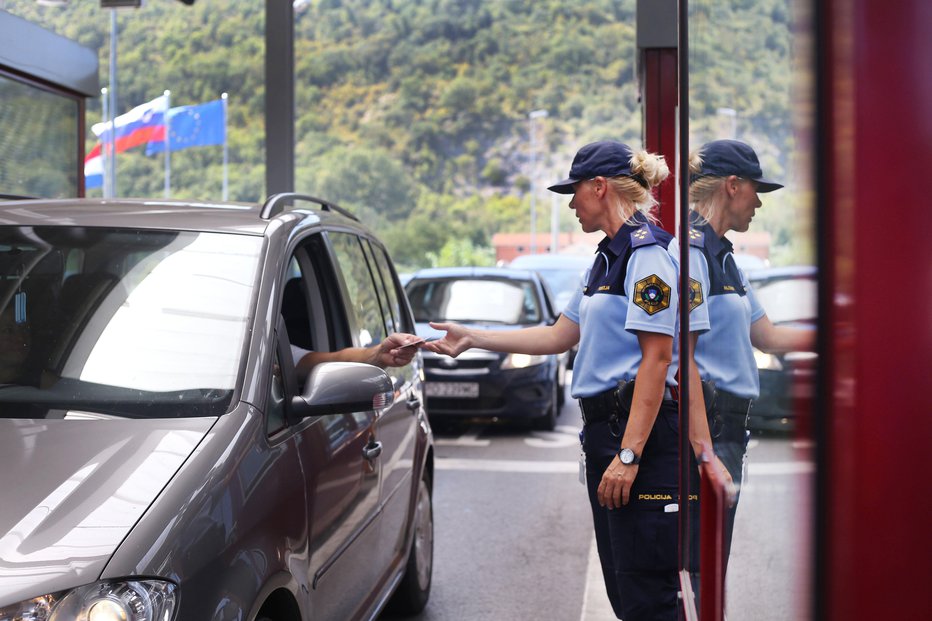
365	313
474	300
387	316
394	302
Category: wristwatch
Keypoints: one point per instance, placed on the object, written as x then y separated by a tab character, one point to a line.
628	457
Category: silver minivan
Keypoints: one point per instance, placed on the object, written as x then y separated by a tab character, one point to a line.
159	457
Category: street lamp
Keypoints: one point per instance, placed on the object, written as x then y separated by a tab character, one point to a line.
533	116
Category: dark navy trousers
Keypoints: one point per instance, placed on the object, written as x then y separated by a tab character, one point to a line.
730	442
638	542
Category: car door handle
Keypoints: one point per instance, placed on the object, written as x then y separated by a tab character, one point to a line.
413	404
372	450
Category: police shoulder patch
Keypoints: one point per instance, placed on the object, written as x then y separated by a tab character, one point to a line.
642	236
695	294
696	237
652	294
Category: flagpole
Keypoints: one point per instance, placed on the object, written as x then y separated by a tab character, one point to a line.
112	141
168	146
103	147
226	151
113	101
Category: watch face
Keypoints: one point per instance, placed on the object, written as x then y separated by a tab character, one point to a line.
626	456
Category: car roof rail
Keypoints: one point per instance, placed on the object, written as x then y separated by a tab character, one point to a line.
278	203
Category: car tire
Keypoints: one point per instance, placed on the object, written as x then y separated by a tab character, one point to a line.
414	589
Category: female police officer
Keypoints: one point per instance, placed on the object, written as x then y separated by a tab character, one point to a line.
726	178
624	318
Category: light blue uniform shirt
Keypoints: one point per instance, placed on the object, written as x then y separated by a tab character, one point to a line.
619	299
723	309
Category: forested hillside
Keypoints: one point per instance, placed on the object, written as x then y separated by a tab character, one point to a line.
415	112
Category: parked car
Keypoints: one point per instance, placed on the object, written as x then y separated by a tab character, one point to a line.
789	295
563	273
480	383
160	460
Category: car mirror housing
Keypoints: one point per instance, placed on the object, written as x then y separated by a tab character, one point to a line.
343	388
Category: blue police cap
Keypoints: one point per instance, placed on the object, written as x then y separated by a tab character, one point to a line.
721	158
605	158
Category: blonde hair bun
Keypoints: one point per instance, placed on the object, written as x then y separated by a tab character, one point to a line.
650	167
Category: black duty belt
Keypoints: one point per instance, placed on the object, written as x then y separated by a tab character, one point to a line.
612	403
727	403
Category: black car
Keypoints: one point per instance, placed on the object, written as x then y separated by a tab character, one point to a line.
480	383
788	294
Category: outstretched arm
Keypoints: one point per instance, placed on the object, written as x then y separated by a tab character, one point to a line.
388	353
538	340
780	339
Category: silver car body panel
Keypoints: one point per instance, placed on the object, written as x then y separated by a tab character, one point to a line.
230	516
81	487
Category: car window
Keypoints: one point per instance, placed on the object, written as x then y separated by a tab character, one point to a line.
474	300
394	301
125	322
365	315
388	316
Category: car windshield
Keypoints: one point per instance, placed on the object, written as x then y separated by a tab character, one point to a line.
788	299
120	322
474	300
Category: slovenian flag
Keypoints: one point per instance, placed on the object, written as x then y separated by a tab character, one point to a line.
94	169
137	127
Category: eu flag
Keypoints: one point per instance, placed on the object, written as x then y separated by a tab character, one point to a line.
193	126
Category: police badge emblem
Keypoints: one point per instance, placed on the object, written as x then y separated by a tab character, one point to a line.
652	294
695	294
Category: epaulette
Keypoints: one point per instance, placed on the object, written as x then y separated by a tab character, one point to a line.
642	236
696	237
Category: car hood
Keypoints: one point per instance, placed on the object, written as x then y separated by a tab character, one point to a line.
73	489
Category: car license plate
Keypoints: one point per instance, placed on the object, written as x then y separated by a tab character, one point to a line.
469	390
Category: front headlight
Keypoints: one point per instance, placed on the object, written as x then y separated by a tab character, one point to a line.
522	361
136	600
767	361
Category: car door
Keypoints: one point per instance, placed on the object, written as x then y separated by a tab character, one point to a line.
342	482
376	297
397	426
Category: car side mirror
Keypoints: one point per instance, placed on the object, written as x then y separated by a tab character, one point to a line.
343	388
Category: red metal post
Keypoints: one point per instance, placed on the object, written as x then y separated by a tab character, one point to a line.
659	88
874	424
713	496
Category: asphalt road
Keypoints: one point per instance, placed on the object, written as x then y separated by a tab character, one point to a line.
513	529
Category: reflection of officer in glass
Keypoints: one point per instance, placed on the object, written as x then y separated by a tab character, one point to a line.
624	319
726	178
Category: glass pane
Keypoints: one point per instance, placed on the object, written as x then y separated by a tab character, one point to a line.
750	76
38	141
366	312
474	301
122	322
